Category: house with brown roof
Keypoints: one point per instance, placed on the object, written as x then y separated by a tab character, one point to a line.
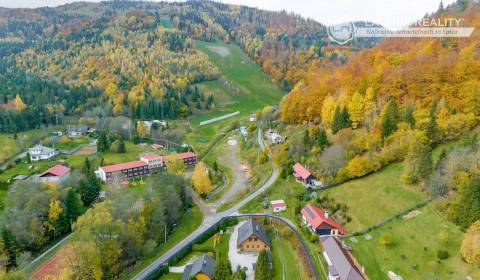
55	174
341	264
320	222
123	171
304	176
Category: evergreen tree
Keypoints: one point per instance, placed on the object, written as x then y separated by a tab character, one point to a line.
239	274
337	121
102	143
262	270
121	147
389	119
465	209
322	139
73	206
306	138
345	118
409	118
223	271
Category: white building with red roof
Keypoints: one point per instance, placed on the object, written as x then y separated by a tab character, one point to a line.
320	222
278	205
155	162
55	174
123	171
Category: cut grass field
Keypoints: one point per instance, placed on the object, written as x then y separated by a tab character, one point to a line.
374	198
413	252
11	146
285	262
256	91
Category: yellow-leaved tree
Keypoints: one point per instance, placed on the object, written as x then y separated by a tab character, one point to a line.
355	108
201	180
175	164
141	129
19	104
470	249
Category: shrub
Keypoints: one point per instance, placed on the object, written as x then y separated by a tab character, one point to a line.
442	255
385	239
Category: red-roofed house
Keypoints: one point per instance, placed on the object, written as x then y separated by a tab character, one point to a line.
154	161
320	222
278	205
123	171
189	158
303	175
55	174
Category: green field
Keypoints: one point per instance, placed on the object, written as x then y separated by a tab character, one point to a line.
285	263
413	253
374	198
256	91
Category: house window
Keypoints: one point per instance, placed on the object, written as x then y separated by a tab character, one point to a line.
248	246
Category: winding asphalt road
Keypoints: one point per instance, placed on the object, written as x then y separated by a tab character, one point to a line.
210	220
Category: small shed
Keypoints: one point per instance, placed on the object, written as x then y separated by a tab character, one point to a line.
278	205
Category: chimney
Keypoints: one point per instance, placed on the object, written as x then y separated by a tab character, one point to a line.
326	215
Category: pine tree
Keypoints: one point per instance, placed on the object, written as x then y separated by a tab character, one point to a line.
121	147
306	138
73	206
223	271
345	118
102	143
262	270
432	124
322	139
337	121
389	119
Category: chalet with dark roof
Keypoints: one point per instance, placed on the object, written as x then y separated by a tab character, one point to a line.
202	269
252	237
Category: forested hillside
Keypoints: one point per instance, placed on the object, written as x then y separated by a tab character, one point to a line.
395	102
138	59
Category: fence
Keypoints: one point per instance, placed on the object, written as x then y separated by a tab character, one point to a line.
162	268
220	118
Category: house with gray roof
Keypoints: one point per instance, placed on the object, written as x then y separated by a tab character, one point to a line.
40	152
202	268
77	130
341	265
252	237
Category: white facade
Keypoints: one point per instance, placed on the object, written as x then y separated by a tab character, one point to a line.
243	131
100	173
278	205
40	152
153	162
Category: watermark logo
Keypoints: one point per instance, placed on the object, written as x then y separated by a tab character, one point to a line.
341	33
426	27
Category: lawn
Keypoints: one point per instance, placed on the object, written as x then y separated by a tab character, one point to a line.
256	91
285	263
132	154
171	276
11	146
287	190
413	252
374	198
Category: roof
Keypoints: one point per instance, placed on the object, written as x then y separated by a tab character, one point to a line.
42	149
187	155
151	156
57	170
249	228
316	217
278	203
342	262
123	166
78	128
21	177
301	171
204	264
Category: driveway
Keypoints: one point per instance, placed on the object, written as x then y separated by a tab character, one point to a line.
242	260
